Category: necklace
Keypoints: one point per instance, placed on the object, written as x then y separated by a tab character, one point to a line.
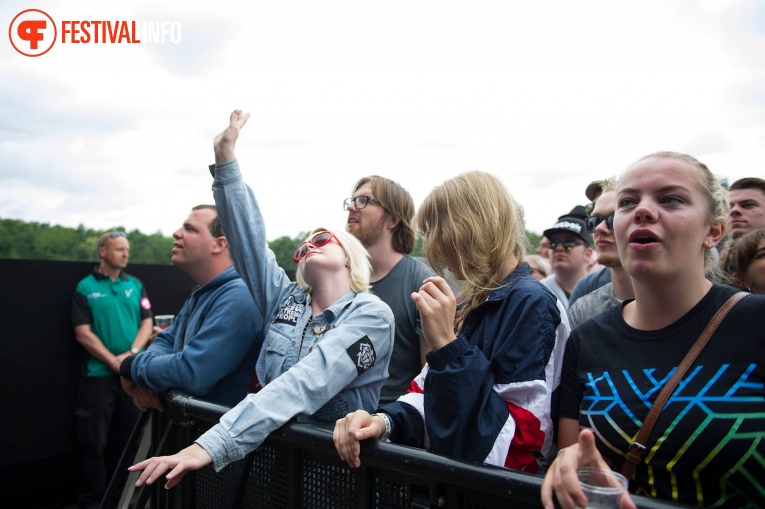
319	330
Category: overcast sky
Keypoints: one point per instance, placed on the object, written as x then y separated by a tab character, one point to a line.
546	95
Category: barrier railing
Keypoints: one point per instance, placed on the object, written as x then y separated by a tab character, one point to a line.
298	467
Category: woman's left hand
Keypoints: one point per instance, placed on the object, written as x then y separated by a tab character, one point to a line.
193	457
437	306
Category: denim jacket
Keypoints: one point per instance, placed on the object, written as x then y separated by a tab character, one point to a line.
204	352
316	369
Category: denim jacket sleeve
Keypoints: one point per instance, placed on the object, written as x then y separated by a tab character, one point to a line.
246	234
330	368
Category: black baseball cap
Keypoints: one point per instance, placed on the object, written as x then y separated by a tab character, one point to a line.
570	224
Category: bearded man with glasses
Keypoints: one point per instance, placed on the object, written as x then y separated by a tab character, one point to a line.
569	252
380	213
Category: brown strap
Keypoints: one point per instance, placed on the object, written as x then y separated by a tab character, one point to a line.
637	448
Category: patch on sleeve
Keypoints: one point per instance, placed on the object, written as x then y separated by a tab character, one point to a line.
363	354
145	304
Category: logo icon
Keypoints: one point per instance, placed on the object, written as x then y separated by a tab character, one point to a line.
363	354
32	32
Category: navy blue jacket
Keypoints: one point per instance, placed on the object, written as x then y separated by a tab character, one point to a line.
486	397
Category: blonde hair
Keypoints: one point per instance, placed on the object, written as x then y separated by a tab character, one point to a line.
472	225
539	265
718	206
359	266
605	185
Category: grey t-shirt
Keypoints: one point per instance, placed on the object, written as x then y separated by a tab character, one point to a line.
551	283
592	304
395	289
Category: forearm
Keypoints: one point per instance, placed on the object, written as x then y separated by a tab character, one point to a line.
406	419
224	152
425	349
468	418
568	432
143	334
94	346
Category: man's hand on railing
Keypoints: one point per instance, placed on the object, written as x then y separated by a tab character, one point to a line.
143	398
353	428
193	457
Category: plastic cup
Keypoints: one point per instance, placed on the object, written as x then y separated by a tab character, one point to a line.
603	488
164	321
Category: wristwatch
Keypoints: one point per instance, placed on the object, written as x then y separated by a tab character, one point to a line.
134	350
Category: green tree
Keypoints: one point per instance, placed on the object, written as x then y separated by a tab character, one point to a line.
40	241
284	248
533	241
419	246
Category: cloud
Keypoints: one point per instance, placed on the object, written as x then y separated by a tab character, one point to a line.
546	95
35	110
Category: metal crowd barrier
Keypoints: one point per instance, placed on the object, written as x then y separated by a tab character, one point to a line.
298	467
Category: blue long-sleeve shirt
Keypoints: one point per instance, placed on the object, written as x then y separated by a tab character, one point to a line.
211	349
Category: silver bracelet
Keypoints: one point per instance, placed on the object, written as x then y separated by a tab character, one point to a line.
388	426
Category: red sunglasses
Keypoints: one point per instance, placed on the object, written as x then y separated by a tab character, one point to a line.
318	240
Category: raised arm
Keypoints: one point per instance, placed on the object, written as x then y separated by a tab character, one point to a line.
243	223
225	143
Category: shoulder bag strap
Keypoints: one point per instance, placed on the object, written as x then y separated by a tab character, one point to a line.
637	448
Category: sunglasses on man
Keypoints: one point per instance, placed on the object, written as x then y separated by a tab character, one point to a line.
592	222
319	239
568	243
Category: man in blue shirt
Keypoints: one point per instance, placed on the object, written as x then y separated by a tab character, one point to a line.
211	349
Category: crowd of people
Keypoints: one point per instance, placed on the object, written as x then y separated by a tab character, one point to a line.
541	363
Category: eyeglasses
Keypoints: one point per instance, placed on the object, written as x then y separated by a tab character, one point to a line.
568	243
360	202
592	222
318	240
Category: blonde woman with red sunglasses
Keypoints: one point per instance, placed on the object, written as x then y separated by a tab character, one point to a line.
328	344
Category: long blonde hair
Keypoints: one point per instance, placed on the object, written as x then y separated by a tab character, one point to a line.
473	226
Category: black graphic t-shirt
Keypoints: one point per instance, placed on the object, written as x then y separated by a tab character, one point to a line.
708	445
